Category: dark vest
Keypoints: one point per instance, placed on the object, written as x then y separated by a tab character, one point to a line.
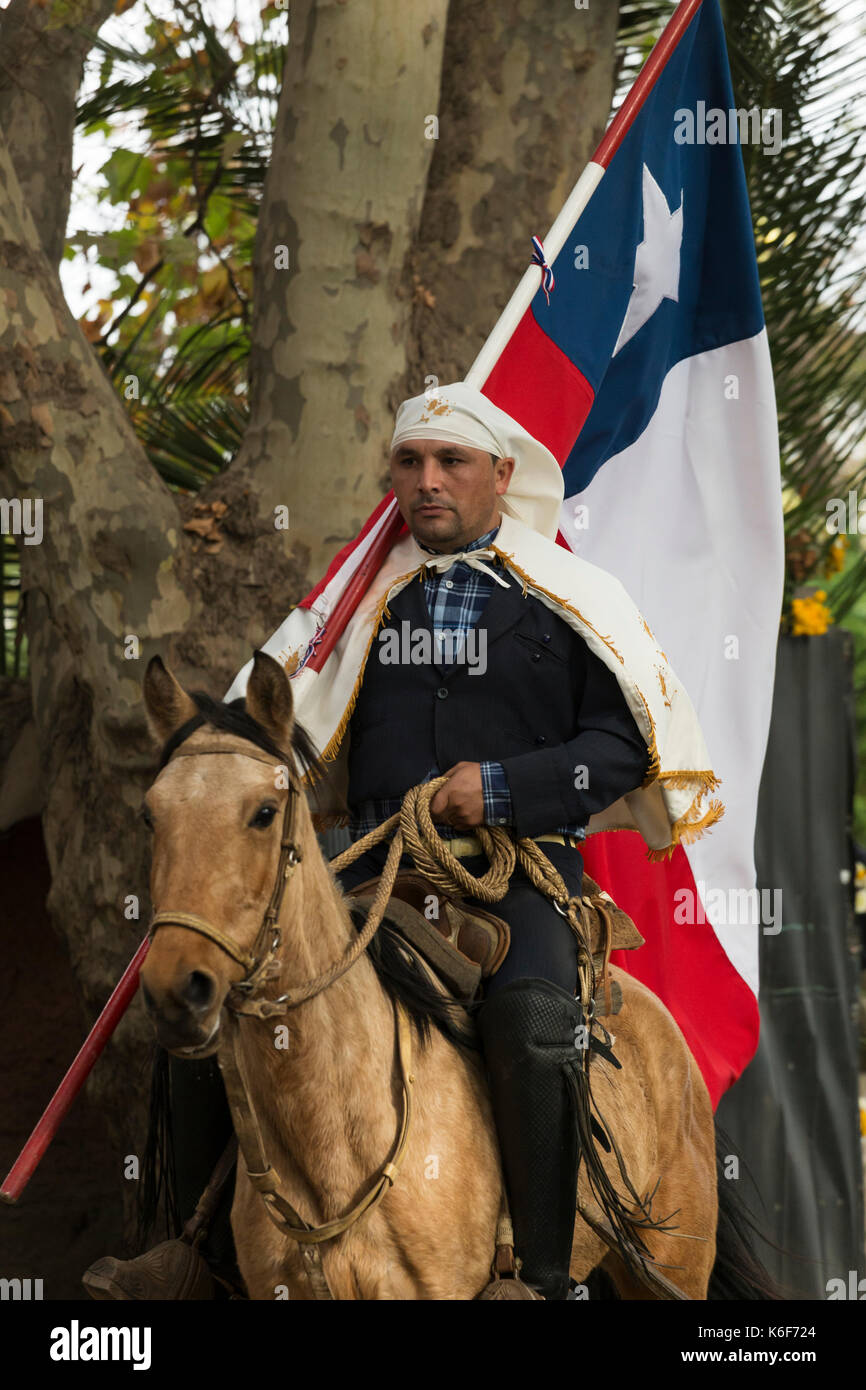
410	716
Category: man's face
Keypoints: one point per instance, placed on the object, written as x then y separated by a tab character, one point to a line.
447	492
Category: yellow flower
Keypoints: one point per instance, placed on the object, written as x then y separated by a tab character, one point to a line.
810	616
835	560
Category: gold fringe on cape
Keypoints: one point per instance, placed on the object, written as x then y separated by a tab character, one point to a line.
684	830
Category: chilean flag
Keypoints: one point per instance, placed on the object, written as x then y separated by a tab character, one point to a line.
649	376
640	359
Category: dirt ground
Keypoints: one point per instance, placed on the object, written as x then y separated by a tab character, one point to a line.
71	1211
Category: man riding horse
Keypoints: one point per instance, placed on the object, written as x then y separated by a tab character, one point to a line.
474	675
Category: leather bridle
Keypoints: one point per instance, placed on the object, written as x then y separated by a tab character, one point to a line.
243	998
256	962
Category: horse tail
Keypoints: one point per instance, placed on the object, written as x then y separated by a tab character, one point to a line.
738	1272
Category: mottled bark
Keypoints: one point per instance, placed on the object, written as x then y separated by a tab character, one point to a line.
343	197
42	52
526	95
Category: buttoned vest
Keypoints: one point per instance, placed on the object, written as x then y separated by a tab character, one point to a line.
517	688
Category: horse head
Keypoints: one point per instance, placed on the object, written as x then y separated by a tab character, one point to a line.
217	824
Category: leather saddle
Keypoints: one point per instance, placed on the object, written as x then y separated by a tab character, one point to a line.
458	946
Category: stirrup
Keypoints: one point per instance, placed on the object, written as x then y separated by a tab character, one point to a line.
506	1281
174	1270
171	1271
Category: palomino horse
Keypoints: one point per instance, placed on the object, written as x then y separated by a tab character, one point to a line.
328	1090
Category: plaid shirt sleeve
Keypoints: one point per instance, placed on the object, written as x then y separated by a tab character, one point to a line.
496	794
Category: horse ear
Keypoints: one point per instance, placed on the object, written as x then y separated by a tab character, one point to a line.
269	699
166	703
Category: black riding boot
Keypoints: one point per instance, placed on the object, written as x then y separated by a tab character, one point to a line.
527	1030
202	1125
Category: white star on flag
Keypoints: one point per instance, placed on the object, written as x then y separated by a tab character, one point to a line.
657	261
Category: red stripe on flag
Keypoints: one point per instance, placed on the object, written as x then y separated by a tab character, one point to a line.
342	555
685	965
535	382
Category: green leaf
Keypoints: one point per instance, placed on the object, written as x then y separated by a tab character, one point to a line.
220	209
126	173
116	249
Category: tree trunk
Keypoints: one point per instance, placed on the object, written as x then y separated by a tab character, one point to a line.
42	52
342	204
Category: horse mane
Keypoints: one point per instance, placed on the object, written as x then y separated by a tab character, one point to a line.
423	1003
233	718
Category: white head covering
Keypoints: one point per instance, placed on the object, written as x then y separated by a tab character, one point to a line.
462	415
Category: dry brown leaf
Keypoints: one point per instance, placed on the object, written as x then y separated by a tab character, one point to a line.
200	526
42	416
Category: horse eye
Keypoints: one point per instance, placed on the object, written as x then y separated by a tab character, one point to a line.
147	817
264	817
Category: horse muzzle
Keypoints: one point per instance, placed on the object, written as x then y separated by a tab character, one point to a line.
205	1049
186	1016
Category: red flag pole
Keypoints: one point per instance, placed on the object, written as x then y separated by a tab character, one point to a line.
25	1165
356	589
49	1122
